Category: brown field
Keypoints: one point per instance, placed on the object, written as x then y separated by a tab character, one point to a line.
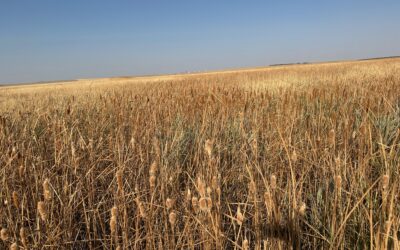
284	157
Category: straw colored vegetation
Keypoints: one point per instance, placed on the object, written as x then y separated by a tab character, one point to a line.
283	157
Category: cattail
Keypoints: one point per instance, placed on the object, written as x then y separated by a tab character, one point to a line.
209	203
331	137
15	199
294	156
388	225
214	182
239	216
113	225
46	190
208	147
22	235
195	204
114	211
209	191
14	246
245	244
152	180
172	218
142	211
337	162
252	187
153	168
113	220
338	182
21	171
203	204
120	182
385	182
4	234
254	145
169	203
353	135
41	207
273	182
188	195
201	186
302	209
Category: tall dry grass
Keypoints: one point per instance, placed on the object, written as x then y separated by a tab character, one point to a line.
286	157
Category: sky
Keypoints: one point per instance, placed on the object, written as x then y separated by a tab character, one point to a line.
46	40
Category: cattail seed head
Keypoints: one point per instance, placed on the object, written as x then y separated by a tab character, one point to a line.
195	203
239	216
203	204
22	235
331	137
21	171
214	182
114	211
14	246
169	203
208	147
245	244
388	225
153	168
302	209
188	195
252	188
152	181
201	186
338	182
41	207
142	210
46	190
4	234
337	162
294	157
209	191
273	182
385	182
113	225
209	203
15	199
172	218
120	182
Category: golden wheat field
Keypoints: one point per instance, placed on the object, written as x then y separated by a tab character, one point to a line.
288	157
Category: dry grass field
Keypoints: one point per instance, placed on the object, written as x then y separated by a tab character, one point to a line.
285	157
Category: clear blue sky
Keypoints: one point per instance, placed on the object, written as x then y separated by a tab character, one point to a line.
50	40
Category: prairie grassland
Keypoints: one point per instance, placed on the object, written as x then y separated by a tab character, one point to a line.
277	158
